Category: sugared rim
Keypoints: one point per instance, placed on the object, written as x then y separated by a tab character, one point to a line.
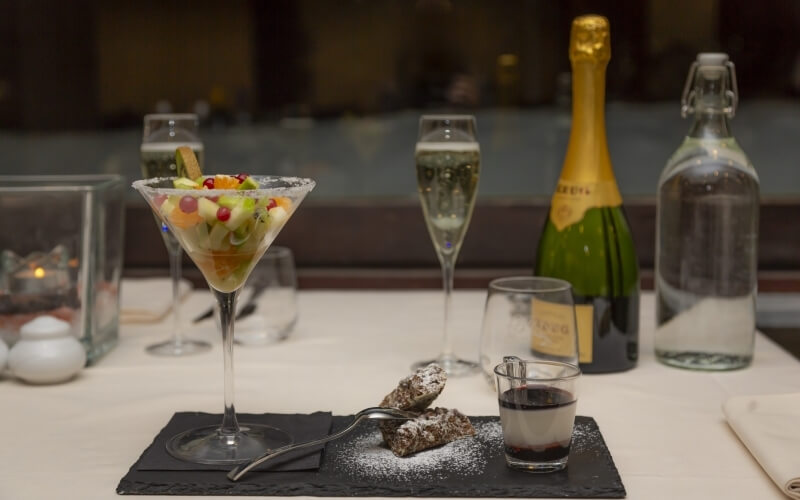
573	371
298	184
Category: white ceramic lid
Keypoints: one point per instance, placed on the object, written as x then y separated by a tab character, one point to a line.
44	327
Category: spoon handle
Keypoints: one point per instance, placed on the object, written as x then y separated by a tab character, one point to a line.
240	470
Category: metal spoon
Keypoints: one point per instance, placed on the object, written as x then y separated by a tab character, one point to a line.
369	413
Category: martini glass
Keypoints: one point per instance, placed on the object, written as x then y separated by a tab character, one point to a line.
226	245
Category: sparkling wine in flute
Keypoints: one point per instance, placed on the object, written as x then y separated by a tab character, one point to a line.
161	136
447	161
447	177
158	158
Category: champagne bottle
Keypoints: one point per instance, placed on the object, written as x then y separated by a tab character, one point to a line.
586	239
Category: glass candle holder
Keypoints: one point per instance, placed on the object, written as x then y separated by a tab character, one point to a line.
61	240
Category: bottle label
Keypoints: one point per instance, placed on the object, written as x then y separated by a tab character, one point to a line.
584	318
572	199
553	330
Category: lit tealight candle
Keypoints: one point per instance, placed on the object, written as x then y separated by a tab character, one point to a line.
38	280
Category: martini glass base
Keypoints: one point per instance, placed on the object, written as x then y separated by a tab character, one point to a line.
207	445
453	366
183	348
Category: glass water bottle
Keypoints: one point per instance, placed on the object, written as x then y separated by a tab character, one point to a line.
707	232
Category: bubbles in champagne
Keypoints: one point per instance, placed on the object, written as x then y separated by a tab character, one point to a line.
447	178
158	158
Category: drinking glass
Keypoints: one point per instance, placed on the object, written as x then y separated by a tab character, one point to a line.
270	313
448	159
226	251
163	134
537	401
530	317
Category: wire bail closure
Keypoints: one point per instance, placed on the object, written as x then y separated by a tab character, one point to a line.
732	95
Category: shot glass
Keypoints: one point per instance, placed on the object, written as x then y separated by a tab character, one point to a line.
537	402
268	309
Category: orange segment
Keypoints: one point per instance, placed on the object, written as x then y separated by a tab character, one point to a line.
283	202
226	263
225	182
184	220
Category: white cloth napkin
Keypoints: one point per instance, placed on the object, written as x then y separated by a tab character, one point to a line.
148	300
770	428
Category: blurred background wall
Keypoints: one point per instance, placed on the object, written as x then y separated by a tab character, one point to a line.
333	90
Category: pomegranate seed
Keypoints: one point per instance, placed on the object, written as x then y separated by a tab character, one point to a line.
188	204
223	213
272	204
241	177
214	199
209	183
159	199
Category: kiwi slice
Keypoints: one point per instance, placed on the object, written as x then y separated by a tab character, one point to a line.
187	163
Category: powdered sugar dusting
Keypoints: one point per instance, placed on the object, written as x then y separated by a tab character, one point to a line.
367	456
578	439
586	439
418	390
432	428
432	377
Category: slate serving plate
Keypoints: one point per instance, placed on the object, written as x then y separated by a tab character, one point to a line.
360	465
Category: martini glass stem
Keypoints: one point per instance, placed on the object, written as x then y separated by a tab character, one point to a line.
227	310
175	254
448	269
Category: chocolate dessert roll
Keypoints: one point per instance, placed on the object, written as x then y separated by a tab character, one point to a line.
417	391
433	427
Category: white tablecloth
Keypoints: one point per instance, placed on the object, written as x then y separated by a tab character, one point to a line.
664	427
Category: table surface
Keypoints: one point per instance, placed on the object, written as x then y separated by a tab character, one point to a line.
664	426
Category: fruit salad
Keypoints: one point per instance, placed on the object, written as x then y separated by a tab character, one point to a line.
223	224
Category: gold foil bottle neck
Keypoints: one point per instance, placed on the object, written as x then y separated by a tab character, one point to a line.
589	39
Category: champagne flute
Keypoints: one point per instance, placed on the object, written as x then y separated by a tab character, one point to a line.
163	133
448	160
